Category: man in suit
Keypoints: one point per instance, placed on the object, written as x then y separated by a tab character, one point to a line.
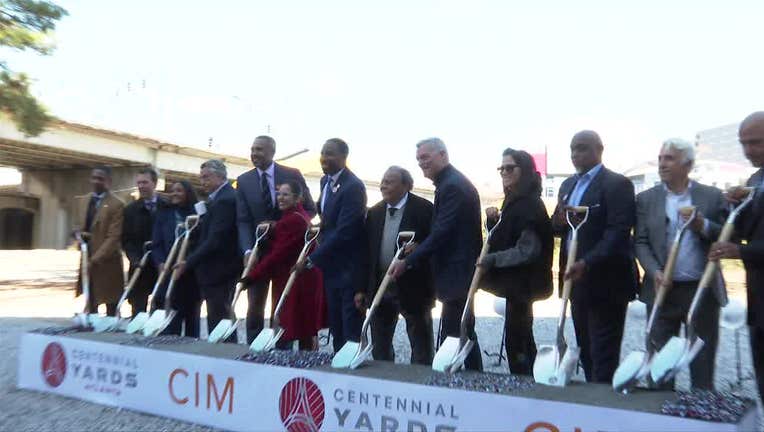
412	295
454	243
658	220
256	203
216	259
604	275
136	230
340	251
750	227
103	221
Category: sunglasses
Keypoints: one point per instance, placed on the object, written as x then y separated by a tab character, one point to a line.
507	168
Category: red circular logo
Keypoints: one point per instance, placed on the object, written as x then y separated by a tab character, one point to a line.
301	406
54	364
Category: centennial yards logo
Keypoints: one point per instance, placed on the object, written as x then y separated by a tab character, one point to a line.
301	406
53	364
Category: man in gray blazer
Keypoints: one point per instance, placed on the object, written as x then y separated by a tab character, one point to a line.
657	221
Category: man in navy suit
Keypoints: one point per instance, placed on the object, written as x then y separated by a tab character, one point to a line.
216	259
256	203
341	245
454	243
604	275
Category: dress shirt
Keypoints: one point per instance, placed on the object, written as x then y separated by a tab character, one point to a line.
271	181
691	260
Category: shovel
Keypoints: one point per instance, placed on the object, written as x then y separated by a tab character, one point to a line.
83	319
161	318
636	365
554	364
353	354
679	352
226	327
453	351
109	323
266	340
139	321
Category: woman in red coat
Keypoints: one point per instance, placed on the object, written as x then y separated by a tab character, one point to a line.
304	312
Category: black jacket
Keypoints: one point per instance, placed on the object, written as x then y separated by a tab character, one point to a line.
750	226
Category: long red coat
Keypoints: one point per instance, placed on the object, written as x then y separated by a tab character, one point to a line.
304	312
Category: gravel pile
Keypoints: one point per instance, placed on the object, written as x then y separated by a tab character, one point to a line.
707	405
293	359
485	382
62	330
158	340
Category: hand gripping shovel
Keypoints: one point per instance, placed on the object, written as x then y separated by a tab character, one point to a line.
139	321
108	323
161	318
226	327
83	319
266	340
453	351
353	354
554	364
679	352
636	365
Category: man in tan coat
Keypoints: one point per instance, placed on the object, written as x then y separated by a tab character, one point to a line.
103	221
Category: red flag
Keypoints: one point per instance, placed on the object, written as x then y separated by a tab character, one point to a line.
540	160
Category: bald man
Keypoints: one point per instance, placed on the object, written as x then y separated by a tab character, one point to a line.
750	227
604	275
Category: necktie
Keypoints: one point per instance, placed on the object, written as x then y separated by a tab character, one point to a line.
326	192
91	212
392	211
265	190
150	206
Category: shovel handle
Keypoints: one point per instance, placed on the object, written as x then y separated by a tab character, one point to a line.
310	236
85	272
191	222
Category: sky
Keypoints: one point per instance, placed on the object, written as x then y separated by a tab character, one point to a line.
481	75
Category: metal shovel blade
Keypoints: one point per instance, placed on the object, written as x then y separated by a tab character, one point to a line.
221	331
344	357
461	356
158	321
81	320
266	340
137	323
630	371
545	366
567	367
444	358
692	352
666	361
104	324
361	356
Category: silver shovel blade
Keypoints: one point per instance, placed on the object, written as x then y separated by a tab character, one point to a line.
545	366
461	357
221	331
691	353
161	323
137	323
629	371
444	357
344	357
362	356
266	340
567	367
667	359
81	320
104	324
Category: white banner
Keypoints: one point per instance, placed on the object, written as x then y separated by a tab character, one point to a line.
243	396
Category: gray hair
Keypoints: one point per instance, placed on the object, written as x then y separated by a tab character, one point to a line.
434	142
216	166
682	146
406	177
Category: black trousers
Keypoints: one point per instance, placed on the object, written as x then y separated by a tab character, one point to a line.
189	307
218	298
111	308
257	294
599	330
757	350
673	313
139	296
450	319
518	337
418	328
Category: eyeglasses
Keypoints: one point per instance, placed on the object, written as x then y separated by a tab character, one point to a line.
507	168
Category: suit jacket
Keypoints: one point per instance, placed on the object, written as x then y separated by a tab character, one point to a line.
750	227
650	235
341	243
137	228
604	242
455	238
250	209
107	279
216	257
415	289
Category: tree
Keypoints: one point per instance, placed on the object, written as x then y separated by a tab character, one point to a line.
25	25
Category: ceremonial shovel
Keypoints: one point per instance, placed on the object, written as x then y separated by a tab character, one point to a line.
679	352
453	351
226	327
353	354
161	318
139	321
637	364
554	364
266	340
83	319
109	323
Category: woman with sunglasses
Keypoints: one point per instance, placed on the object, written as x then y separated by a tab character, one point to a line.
519	263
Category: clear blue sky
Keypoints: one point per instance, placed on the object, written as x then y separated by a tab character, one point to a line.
481	75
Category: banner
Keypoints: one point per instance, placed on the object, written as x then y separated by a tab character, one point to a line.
237	395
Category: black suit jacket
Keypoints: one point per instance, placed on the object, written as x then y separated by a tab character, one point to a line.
250	209
750	226
605	241
415	289
216	257
137	227
455	238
